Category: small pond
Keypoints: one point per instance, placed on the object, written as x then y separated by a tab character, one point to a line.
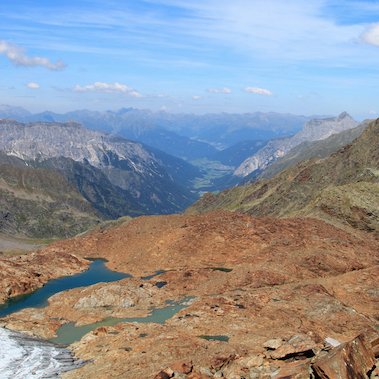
215	338
70	333
97	272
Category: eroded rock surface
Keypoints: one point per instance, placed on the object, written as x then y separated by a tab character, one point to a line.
26	273
267	294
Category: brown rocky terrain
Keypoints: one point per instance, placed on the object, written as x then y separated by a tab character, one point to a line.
267	293
222	239
25	273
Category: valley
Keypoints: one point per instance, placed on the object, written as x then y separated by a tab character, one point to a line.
271	278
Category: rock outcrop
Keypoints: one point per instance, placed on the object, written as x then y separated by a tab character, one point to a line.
26	273
354	359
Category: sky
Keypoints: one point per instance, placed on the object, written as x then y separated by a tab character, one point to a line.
191	56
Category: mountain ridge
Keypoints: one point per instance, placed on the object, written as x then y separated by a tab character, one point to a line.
313	130
314	149
182	134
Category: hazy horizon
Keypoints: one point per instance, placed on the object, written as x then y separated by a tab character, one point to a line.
313	58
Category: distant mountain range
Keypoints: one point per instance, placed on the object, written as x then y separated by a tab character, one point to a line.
342	188
250	143
186	136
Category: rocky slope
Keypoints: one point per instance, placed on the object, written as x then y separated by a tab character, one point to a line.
24	274
149	181
314	130
40	203
343	188
268	295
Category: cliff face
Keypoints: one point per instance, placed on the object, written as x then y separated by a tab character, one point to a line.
41	140
342	188
313	130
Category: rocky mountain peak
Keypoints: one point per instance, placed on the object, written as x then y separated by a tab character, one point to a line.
344	115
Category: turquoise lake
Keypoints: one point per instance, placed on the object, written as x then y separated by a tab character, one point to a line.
97	272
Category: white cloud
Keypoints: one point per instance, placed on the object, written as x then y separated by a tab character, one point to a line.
195	97
220	90
17	56
33	85
108	88
258	91
373	112
371	35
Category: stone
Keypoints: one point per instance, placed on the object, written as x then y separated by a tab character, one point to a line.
196	375
301	345
294	370
258	374
162	375
255	361
178	375
273	344
375	371
350	360
331	342
206	371
102	330
182	367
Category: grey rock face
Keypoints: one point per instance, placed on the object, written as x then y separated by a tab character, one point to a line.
42	140
313	130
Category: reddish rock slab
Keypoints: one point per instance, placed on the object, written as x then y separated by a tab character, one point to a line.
352	360
295	370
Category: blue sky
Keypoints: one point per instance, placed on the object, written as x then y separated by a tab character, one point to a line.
297	56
